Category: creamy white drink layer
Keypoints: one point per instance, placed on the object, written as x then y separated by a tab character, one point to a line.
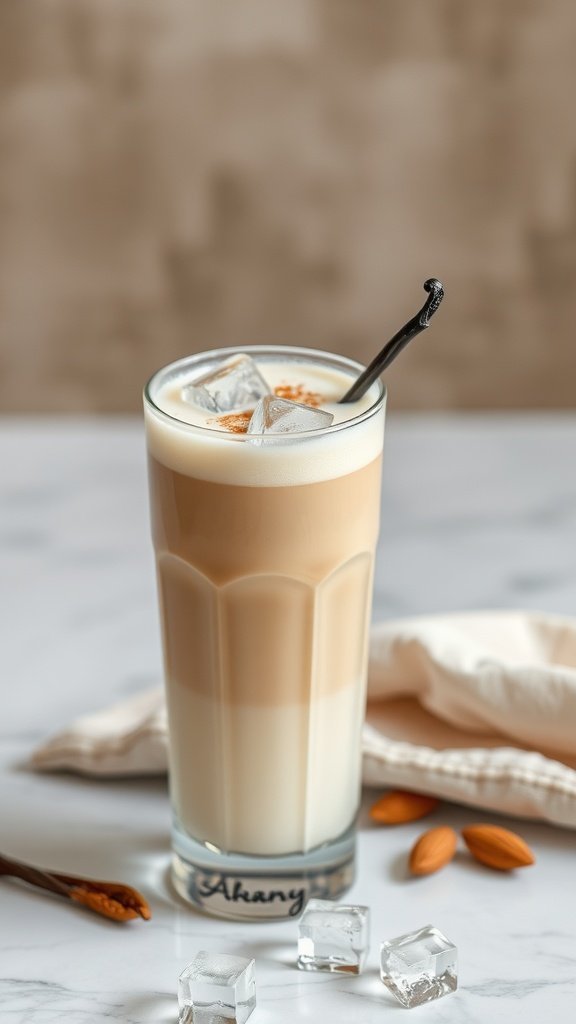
192	441
281	779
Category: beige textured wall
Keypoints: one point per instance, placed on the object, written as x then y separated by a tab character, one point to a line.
177	174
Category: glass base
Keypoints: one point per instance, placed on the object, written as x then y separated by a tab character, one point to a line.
244	888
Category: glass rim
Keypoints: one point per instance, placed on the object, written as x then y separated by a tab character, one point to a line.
313	354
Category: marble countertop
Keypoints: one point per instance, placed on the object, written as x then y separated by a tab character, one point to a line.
478	512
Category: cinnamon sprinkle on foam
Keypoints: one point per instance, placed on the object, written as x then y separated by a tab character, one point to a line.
298	393
235	422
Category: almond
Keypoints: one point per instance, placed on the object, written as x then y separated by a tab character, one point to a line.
398	806
497	847
433	850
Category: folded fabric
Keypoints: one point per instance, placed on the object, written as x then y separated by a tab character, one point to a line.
477	708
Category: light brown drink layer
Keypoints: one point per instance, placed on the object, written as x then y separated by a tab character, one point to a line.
265	591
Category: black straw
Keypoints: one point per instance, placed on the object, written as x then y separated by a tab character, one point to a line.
393	347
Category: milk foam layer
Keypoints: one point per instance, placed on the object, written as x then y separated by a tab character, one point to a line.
190	440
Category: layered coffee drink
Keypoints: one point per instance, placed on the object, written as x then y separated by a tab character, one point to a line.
264	531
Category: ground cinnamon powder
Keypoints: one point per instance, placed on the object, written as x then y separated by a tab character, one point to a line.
112	899
237	422
298	393
103	904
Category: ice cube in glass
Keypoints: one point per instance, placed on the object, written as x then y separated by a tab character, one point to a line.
419	966
217	988
333	937
281	416
236	385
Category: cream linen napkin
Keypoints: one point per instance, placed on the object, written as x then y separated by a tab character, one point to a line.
477	708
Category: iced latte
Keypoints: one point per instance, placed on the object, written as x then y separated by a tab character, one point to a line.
265	520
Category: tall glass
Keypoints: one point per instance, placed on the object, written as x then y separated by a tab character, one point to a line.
265	559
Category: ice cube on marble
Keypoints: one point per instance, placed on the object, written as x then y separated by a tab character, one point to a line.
236	385
217	988
333	937
419	966
281	416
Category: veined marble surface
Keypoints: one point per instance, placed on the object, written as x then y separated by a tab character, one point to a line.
477	513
